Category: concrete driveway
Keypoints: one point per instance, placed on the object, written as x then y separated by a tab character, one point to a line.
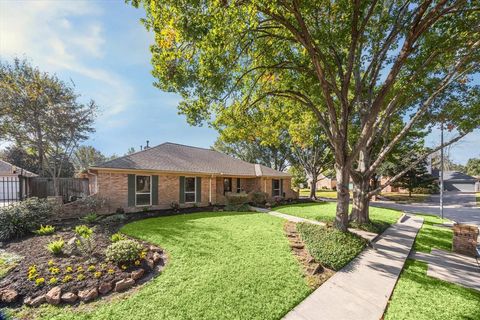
458	206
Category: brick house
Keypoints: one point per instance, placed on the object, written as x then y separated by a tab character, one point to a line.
173	173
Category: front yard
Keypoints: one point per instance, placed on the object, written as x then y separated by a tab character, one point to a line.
325	211
418	296
221	266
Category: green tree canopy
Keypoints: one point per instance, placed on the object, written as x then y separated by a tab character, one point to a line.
349	63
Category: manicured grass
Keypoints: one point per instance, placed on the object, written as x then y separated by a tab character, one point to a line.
404	198
418	296
331	194
332	247
222	266
381	218
431	236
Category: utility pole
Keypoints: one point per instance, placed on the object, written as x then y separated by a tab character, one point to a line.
441	169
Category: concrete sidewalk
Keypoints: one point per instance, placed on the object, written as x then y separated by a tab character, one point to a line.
362	289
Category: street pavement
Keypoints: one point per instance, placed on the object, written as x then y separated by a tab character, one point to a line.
459	207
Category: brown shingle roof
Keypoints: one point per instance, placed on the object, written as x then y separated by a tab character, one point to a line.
172	157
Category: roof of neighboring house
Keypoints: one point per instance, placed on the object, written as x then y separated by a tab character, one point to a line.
172	157
7	168
458	176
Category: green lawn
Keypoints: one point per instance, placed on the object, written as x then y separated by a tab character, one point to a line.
405	198
418	296
8	261
331	194
222	266
431	236
381	218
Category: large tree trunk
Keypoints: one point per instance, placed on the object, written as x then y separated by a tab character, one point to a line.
361	201
313	188
343	197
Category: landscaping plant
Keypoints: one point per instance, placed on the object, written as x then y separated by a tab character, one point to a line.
124	251
117	237
45	230
90	218
56	247
24	217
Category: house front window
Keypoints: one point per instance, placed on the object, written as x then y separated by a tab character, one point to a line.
190	192
239	187
227	185
276	187
143	191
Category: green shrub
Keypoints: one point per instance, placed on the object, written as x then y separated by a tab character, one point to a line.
236	198
90	218
83	231
238	208
24	217
426	190
45	230
329	246
56	247
114	218
117	237
258	197
124	251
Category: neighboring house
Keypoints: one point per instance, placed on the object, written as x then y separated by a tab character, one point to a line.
457	181
174	173
12	186
324	182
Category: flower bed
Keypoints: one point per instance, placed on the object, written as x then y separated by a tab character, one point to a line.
78	269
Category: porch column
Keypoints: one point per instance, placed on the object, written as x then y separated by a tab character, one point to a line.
210	190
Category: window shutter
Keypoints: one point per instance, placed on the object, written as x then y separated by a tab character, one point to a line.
131	190
273	186
182	190
154	190
198	189
281	187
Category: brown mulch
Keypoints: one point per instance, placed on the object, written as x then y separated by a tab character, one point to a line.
34	252
314	271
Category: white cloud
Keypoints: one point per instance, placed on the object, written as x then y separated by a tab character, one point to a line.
63	36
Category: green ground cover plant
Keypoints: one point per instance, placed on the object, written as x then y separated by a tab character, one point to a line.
333	248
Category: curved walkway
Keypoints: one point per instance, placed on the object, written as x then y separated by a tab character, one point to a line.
361	289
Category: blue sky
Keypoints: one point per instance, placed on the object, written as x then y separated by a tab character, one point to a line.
102	47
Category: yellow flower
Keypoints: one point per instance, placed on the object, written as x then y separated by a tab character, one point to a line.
137	262
67	278
40	282
124	267
50	263
80	269
69	269
111	271
91	268
80	277
54	270
53	281
97	274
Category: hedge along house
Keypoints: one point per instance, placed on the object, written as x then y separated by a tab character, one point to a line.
169	174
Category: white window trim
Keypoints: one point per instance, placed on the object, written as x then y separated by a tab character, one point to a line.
194	190
279	188
150	193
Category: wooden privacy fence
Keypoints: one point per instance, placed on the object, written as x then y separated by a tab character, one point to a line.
69	189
